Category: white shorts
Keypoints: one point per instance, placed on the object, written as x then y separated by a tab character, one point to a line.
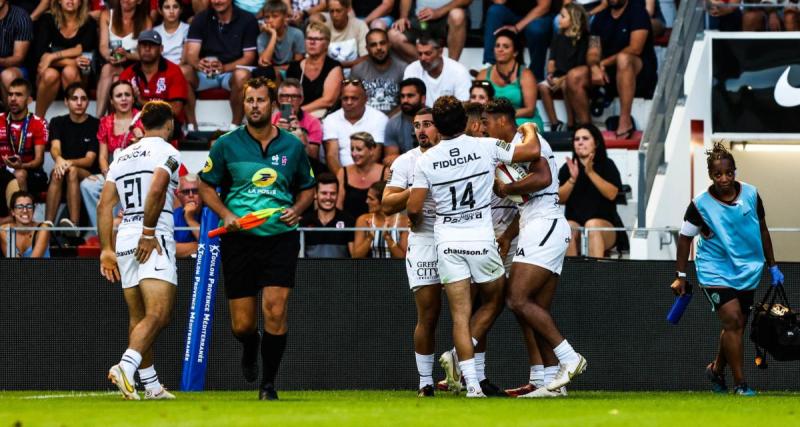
463	260
161	267
544	242
509	259
421	262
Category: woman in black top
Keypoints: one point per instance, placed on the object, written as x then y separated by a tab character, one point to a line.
62	37
589	184
320	75
355	180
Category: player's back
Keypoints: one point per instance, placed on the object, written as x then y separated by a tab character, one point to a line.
132	172
402	176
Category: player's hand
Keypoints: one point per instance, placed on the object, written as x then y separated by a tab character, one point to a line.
678	286
145	248
231	223
401	24
108	265
777	276
528	129
499	189
507	27
290	217
503	246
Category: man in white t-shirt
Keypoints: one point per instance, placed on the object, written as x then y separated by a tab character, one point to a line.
442	75
348	34
459	175
544	236
354	116
143	179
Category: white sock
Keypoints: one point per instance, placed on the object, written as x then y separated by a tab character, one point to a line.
425	369
565	353
129	362
468	372
537	375
149	378
549	374
480	366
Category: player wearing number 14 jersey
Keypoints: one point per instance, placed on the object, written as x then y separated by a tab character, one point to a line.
459	173
143	178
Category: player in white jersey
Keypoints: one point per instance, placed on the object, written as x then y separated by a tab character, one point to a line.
423	275
543	240
459	173
143	178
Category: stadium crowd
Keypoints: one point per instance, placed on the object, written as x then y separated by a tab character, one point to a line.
350	77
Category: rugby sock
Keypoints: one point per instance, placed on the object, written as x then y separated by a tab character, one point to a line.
468	372
549	374
250	344
129	362
480	366
537	375
425	369
272	347
565	353
474	344
149	379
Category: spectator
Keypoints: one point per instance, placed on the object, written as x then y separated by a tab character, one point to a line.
116	130
380	73
567	51
532	18
327	244
173	31
220	46
589	183
592	7
436	19
17	30
320	75
657	23
303	125
253	7
399	136
442	76
302	9
73	145
187	215
35	8
61	38
348	34
375	13
511	79
30	244
354	116
380	244
126	17
725	15
278	43
23	138
355	179
154	78
481	92
627	67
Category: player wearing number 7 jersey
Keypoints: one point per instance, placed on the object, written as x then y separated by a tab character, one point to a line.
459	173
143	177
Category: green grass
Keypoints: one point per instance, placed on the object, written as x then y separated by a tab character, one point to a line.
385	408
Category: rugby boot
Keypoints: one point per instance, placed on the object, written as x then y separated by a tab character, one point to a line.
123	383
717	381
568	371
520	391
162	394
491	390
426	391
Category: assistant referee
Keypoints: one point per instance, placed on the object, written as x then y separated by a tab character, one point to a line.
259	166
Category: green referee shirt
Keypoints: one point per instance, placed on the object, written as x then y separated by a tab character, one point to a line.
252	179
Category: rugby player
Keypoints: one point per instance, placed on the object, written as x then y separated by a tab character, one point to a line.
458	173
145	176
543	240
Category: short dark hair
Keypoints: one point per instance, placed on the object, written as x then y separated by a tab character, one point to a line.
449	116
72	87
156	114
424	110
502	106
377	30
485	85
161	4
259	82
326	178
18	195
19	81
473	110
599	142
416	82
378	187
345	3
427	38
276	6
516	41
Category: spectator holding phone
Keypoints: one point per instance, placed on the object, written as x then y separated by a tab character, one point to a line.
300	123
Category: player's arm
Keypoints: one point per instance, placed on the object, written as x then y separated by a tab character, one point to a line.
766	243
538	178
692	225
105	227
529	150
416	199
394	200
153	205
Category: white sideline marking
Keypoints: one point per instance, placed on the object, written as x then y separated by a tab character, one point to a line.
77	394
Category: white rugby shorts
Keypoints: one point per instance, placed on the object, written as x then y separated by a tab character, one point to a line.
544	242
479	260
161	267
421	262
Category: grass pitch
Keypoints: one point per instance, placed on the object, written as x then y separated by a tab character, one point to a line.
397	408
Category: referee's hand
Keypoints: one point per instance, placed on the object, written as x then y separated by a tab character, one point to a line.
231	222
290	217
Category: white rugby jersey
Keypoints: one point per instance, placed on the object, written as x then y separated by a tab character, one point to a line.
402	176
132	171
543	203
459	174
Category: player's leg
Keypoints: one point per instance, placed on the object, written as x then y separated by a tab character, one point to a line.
459	300
550	363
147	372
428	300
274	300
733	319
492	299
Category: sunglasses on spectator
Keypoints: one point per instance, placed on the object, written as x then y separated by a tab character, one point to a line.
189	191
354	82
24	207
481	83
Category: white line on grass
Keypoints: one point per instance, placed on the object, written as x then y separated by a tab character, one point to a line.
77	394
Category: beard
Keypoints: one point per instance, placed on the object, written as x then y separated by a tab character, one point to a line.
380	61
258	124
410	109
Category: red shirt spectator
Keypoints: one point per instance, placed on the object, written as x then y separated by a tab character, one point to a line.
168	84
36	134
105	133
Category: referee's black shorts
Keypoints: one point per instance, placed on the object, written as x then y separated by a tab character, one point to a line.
249	262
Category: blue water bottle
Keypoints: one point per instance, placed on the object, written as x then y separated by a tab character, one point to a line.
679	306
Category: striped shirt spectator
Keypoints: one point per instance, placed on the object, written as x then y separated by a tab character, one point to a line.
16	34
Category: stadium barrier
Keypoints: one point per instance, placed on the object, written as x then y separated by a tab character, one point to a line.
351	325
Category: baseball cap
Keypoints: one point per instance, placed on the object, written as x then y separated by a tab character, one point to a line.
150	36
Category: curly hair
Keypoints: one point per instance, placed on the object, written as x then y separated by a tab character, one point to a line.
719	152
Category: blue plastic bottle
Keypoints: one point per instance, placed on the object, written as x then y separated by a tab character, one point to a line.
679	306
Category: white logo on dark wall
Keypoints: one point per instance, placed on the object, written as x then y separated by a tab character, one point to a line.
786	95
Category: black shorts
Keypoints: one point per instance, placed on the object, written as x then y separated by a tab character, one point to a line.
718	296
249	262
